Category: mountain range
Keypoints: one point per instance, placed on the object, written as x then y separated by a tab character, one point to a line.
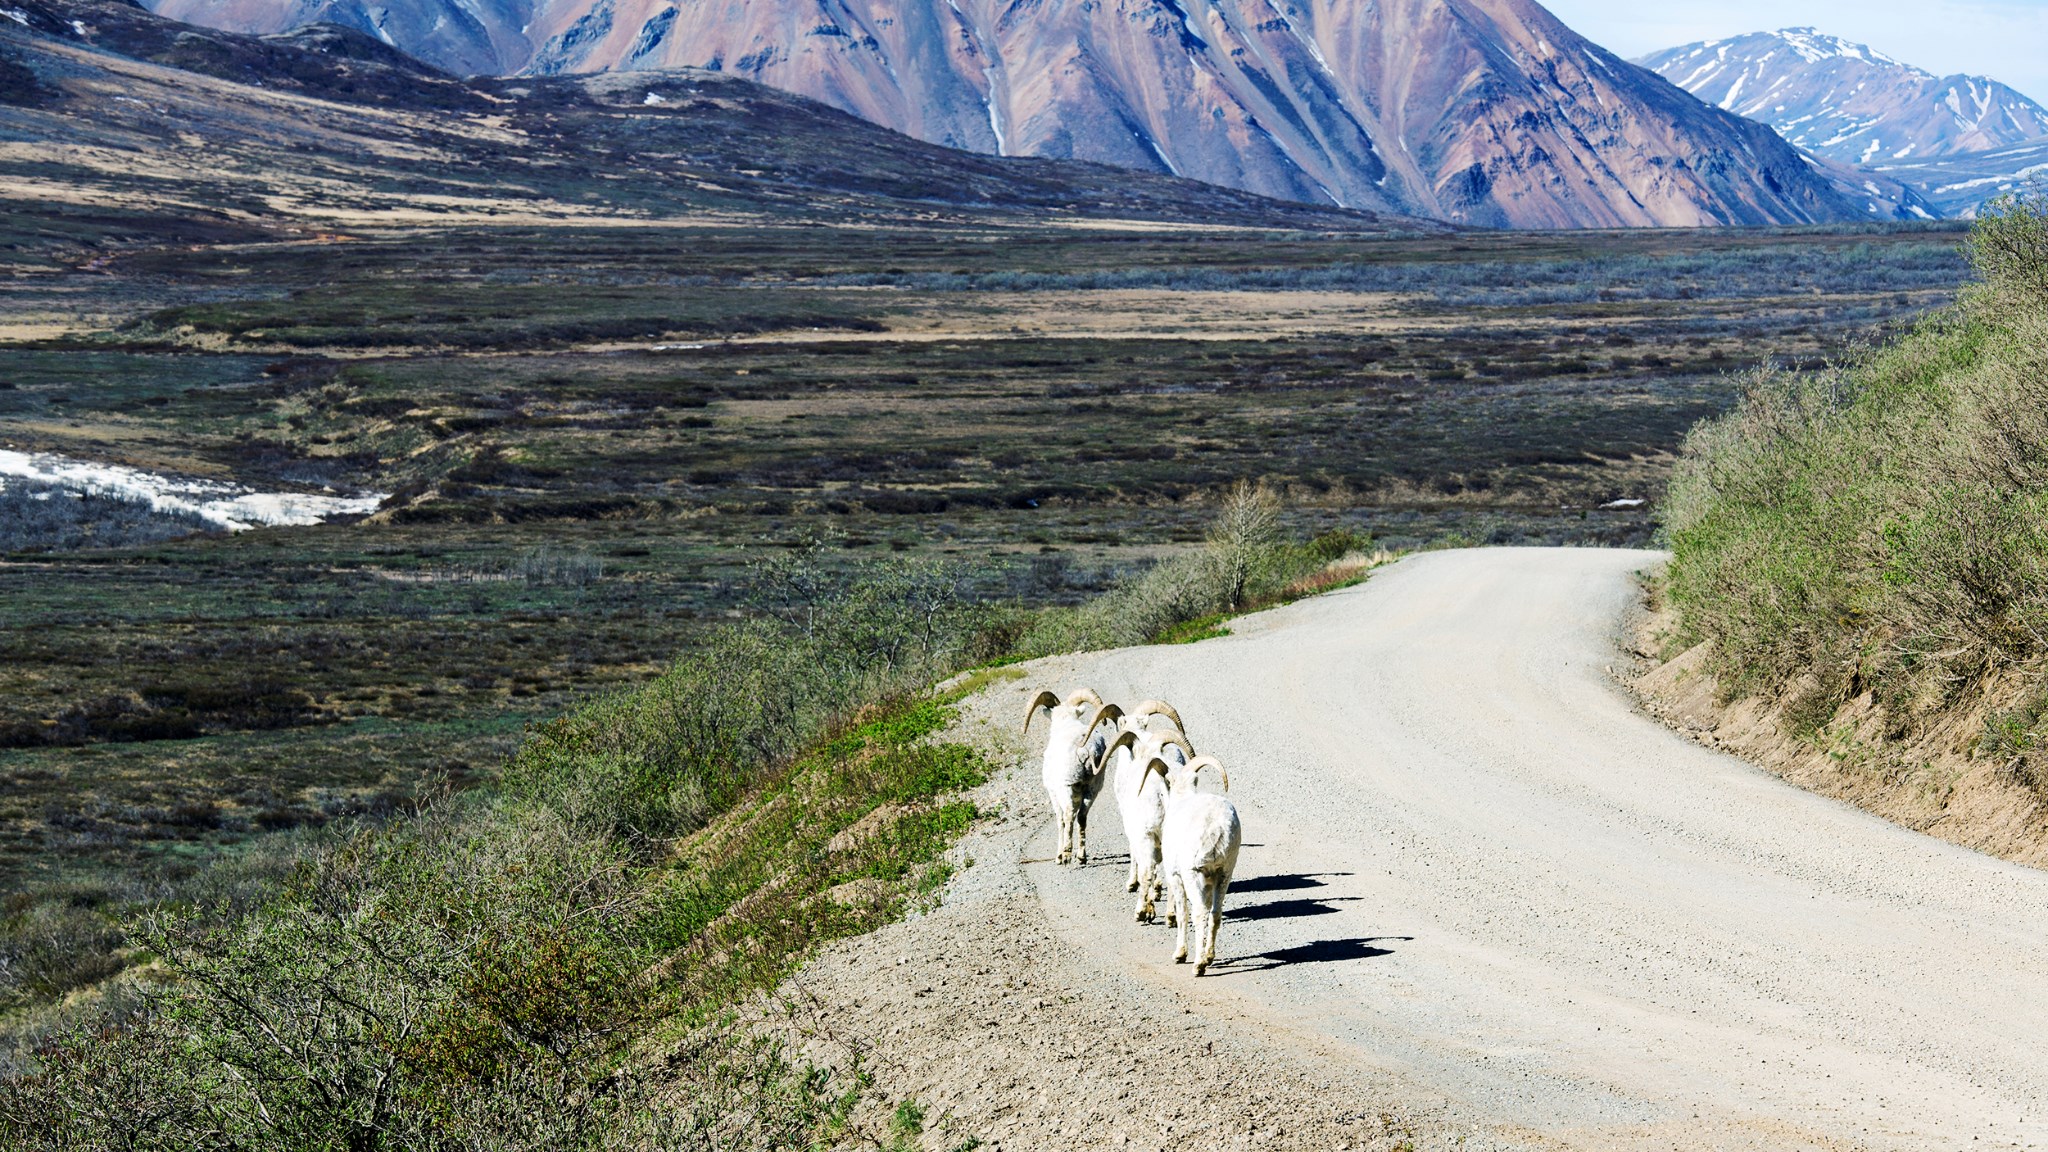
1953	141
1488	112
120	124
1847	101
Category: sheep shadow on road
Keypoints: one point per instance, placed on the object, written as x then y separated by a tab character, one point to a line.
1319	952
1284	882
1290	909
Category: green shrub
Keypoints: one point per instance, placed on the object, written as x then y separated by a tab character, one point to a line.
486	972
1883	524
1243	559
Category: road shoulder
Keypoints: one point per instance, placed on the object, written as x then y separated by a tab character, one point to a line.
1010	1039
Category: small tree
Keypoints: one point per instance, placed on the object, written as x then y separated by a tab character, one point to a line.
1242	539
2009	244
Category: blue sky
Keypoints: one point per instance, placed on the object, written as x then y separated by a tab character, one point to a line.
2004	39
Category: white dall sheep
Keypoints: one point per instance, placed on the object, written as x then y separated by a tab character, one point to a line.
1198	846
1073	762
1141	799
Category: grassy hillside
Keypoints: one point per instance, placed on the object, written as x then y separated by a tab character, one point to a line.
1879	530
556	960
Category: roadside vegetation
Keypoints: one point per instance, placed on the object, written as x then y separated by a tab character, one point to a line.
1879	529
562	957
566	518
611	513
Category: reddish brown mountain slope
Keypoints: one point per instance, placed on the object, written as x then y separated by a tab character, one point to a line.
1485	111
1482	111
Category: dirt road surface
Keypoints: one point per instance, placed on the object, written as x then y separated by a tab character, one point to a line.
1477	878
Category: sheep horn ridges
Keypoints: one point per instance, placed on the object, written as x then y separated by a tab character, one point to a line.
1045	699
1109	712
1084	696
1196	765
1179	741
1123	740
1158	708
1152	765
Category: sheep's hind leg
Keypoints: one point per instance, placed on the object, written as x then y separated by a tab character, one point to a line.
1182	913
1081	832
1213	914
1150	891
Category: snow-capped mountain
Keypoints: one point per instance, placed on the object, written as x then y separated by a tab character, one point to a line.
1848	102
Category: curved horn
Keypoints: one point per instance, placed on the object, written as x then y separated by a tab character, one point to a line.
1045	699
1178	741
1123	740
1154	763
1196	765
1083	696
1108	712
1158	708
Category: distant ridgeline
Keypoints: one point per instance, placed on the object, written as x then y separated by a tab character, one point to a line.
1487	112
285	138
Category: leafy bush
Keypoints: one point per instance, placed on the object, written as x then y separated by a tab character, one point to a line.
489	971
1243	562
1884	523
664	758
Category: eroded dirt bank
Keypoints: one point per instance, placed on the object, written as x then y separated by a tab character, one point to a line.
1930	783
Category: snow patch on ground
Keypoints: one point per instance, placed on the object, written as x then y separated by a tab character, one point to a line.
231	506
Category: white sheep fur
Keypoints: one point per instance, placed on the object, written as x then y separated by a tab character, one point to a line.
1141	799
1073	772
1198	846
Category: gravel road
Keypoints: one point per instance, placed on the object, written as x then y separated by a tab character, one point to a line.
1473	867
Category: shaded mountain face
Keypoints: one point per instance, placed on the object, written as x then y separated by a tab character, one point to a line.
461	37
1481	111
1847	102
113	115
